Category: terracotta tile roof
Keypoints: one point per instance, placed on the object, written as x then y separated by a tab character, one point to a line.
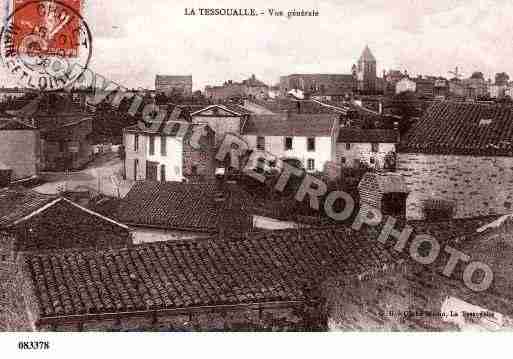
16	204
353	135
261	267
462	129
184	206
290	125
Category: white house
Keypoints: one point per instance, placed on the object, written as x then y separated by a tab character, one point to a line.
166	153
308	138
356	146
405	84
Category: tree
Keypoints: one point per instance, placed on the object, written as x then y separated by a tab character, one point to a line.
477	75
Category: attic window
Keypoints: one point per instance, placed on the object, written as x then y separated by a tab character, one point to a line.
485	121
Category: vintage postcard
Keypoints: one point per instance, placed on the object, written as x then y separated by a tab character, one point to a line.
290	166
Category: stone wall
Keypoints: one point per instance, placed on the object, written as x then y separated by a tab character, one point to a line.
17	310
477	186
214	319
413	298
202	159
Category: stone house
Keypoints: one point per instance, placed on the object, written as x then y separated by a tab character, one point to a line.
165	152
174	210
309	138
462	154
370	147
261	281
19	149
222	119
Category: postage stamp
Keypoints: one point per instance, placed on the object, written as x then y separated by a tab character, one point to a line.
42	41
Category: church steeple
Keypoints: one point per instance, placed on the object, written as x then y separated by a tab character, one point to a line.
367	55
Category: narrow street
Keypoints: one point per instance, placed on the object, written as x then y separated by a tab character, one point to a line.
99	176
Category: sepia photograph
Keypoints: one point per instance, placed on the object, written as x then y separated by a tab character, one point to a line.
236	167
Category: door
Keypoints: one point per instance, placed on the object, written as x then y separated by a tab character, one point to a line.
151	170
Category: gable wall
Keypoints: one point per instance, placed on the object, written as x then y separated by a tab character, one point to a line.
478	186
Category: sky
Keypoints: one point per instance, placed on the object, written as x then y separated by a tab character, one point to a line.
133	40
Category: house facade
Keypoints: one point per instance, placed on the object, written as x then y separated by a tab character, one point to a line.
369	147
158	154
222	119
460	154
19	149
311	139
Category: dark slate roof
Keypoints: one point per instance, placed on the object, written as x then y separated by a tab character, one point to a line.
17	204
184	206
11	124
462	129
290	125
271	266
353	135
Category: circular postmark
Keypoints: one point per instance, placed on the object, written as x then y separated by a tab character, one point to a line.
45	45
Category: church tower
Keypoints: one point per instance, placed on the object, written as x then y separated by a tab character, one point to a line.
366	72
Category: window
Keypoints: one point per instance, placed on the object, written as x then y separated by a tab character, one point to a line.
310	164
348	146
260	143
375	147
62	146
194	170
288	143
136	168
163	149
372	160
163	173
310	144
136	142
342	160
152	145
